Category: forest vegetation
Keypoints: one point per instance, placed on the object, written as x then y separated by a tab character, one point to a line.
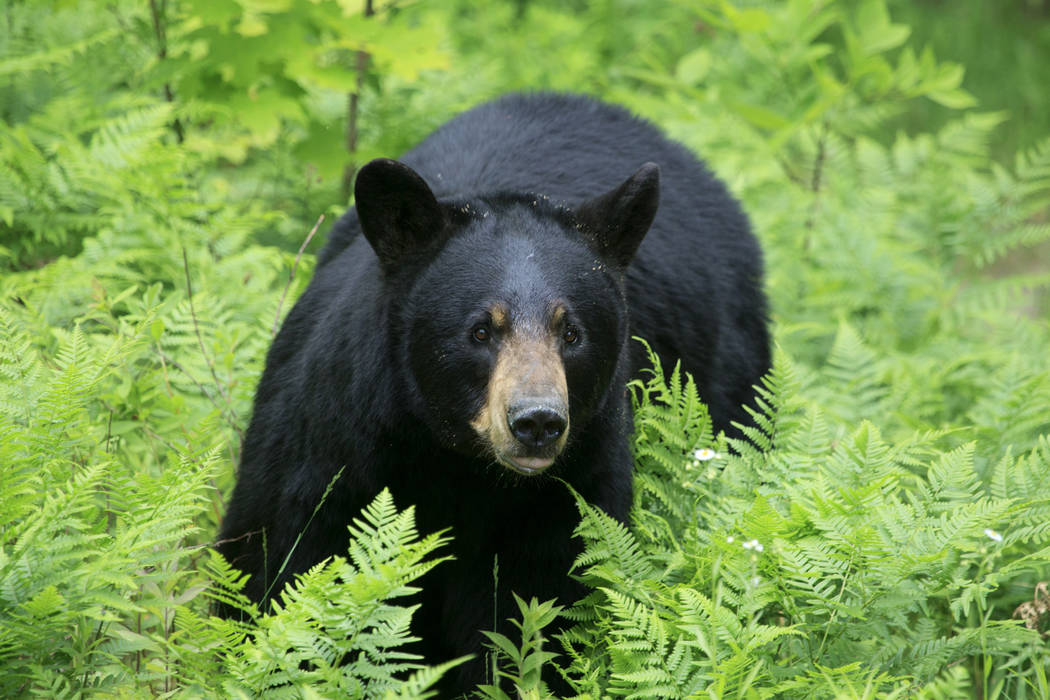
883	531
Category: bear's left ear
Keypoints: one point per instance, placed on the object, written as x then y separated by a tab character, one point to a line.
398	212
617	221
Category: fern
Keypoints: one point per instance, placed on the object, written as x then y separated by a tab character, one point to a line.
850	538
870	534
335	630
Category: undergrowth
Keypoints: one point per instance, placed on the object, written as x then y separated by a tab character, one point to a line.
882	531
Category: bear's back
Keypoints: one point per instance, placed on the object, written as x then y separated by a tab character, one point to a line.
566	147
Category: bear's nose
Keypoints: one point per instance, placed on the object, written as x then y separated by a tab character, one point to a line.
536	426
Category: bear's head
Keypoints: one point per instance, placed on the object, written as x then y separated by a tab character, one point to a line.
507	311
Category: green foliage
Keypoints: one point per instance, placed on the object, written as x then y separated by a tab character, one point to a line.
522	664
336	633
91	553
100	582
252	68
871	536
795	565
1006	78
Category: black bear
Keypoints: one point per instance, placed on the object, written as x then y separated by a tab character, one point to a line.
471	349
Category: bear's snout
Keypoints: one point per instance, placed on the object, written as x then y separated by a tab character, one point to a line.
524	422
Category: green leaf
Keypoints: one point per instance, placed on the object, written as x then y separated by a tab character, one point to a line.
47	602
876	33
748	21
759	116
693	67
954	99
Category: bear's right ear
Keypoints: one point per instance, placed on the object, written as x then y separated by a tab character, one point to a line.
398	212
617	221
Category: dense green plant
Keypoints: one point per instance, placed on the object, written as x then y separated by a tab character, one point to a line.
102	573
251	68
336	633
522	664
794	564
1005	78
162	163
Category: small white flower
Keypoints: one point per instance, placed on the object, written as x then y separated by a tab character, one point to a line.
755	581
753	544
993	535
730	539
705	454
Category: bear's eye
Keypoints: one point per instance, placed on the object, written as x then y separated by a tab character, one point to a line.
570	335
481	333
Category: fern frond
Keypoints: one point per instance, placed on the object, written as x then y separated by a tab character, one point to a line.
612	548
337	627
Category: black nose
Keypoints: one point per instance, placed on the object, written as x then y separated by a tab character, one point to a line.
536	426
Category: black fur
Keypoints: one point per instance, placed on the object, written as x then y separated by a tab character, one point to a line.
533	202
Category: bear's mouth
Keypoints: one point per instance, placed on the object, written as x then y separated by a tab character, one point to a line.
527	466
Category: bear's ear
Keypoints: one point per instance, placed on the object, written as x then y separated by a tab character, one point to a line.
617	221
398	212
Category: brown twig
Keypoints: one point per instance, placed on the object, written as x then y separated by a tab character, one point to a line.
818	163
816	182
158	15
291	275
225	411
197	330
360	66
